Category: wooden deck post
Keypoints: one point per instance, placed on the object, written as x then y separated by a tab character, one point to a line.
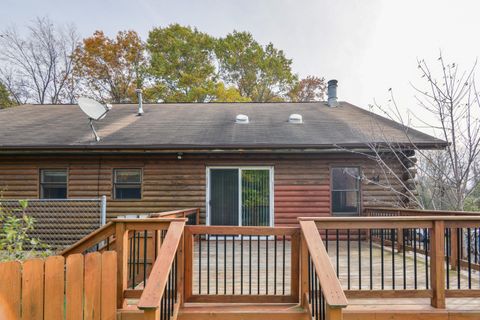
121	243
333	313
295	267
304	273
188	263
151	314
180	270
437	264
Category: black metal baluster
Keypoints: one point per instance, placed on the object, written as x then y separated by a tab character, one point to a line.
447	260
216	264
275	267
266	265
258	264
425	246
312	287
233	262
326	239
283	267
199	264
241	264
359	261
337	252
370	248
475	244
135	251
316	295
348	259
144	258
469	257
138	253
381	259
250	265
415	259
208	263
224	264
404	264
130	259
392	239
459	255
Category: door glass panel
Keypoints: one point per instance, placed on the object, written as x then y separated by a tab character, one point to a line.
224	197
255	197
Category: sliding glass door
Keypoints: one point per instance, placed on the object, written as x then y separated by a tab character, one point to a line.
240	196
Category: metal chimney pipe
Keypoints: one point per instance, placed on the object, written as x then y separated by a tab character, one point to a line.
332	93
140	104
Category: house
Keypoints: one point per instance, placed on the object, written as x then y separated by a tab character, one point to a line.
241	163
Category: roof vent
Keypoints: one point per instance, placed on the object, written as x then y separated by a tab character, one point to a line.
241	118
295	118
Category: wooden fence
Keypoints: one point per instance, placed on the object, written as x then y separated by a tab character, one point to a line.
79	287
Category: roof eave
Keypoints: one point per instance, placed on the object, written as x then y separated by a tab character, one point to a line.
285	148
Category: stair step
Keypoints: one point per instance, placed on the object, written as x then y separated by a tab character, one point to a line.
129	314
242	311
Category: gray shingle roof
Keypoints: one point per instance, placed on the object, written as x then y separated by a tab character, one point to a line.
206	126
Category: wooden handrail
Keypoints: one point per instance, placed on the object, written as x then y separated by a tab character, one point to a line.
331	287
420	212
236	230
153	292
400	222
175	213
90	240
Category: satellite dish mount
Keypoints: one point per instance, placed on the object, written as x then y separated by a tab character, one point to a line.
95	111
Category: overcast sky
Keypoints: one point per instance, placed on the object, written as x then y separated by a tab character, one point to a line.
368	45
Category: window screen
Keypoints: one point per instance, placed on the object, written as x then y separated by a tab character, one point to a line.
127	184
345	190
53	183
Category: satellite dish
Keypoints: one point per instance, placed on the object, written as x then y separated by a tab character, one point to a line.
94	110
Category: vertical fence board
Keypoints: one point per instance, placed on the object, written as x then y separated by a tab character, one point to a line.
54	288
32	289
74	287
109	285
93	276
10	284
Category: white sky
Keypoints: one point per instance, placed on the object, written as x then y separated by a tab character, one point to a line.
369	45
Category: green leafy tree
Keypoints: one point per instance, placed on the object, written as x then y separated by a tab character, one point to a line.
228	94
5	99
15	241
181	64
260	73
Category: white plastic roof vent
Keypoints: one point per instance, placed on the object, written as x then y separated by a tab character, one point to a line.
295	118
241	118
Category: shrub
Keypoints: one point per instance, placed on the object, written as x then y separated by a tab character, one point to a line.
15	241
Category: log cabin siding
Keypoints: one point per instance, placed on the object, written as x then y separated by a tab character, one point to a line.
301	188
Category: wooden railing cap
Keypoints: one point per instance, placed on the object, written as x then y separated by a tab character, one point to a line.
329	283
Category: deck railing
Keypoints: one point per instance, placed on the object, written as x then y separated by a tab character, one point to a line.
162	295
403	256
241	264
137	242
462	244
321	291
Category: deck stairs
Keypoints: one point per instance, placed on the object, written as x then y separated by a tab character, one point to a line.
235	311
